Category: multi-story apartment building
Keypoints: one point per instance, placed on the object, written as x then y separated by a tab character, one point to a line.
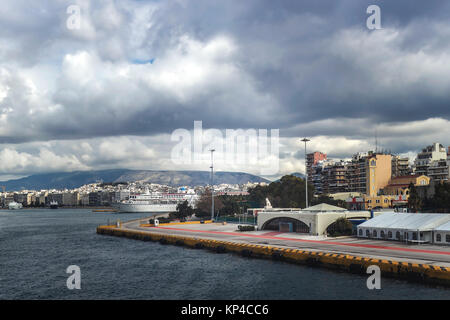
334	177
41	199
316	176
58	197
121	195
433	153
366	173
439	170
84	199
311	160
400	166
94	198
356	173
21	198
70	199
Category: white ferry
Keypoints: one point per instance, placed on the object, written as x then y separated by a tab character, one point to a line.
155	202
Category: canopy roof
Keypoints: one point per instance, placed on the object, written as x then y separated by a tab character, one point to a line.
443	227
407	221
323	207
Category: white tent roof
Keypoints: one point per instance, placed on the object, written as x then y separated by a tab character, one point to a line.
443	227
407	221
324	207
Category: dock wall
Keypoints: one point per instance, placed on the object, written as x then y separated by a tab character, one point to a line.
345	262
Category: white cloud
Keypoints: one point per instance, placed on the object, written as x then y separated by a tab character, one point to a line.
74	99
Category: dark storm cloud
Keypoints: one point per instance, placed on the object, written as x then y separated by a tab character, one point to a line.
293	63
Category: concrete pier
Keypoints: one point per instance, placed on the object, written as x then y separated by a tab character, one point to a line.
426	263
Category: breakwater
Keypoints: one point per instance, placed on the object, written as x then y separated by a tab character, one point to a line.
345	262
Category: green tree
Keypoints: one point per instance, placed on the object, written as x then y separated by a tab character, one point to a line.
441	199
288	192
184	210
203	209
342	227
415	203
326	199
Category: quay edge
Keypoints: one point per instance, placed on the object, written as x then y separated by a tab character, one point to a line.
355	264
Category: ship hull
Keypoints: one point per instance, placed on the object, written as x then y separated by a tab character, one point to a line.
147	208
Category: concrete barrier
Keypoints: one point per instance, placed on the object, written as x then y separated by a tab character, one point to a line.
350	263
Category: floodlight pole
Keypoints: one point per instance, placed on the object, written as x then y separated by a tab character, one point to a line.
306	172
212	184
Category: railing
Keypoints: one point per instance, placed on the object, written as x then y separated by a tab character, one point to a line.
251	220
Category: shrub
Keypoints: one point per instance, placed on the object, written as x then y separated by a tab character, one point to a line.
342	227
161	220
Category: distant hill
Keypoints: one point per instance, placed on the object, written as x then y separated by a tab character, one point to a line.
296	174
70	180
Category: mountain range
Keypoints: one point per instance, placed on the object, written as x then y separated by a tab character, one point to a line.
70	180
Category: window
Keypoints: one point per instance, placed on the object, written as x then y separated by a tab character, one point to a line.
414	234
367	233
390	234
447	238
438	237
375	233
377	201
360	232
382	234
397	235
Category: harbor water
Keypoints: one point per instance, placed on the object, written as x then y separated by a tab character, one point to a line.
37	246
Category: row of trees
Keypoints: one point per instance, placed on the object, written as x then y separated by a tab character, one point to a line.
288	192
438	202
224	205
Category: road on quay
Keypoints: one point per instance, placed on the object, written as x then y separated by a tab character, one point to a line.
378	249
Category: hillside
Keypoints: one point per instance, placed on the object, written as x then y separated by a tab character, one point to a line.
70	180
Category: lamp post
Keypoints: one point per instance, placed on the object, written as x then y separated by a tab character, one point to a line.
306	172
212	184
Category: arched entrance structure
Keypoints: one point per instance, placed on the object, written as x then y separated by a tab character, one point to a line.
286	224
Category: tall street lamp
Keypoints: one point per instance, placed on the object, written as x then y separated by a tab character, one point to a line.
212	184
306	172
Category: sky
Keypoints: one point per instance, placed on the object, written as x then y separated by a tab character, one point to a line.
111	93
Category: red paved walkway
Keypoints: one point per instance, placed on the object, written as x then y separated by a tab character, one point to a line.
266	236
271	234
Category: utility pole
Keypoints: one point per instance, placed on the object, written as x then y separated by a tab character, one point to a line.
306	172
212	183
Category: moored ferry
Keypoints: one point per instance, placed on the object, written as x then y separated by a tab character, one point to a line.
155	202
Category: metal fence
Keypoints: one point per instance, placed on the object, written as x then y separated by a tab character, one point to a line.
250	220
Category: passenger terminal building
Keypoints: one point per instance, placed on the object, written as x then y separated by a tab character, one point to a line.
315	220
408	227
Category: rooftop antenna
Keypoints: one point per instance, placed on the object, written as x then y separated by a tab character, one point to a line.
376	140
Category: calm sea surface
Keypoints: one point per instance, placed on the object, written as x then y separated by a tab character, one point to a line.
36	247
